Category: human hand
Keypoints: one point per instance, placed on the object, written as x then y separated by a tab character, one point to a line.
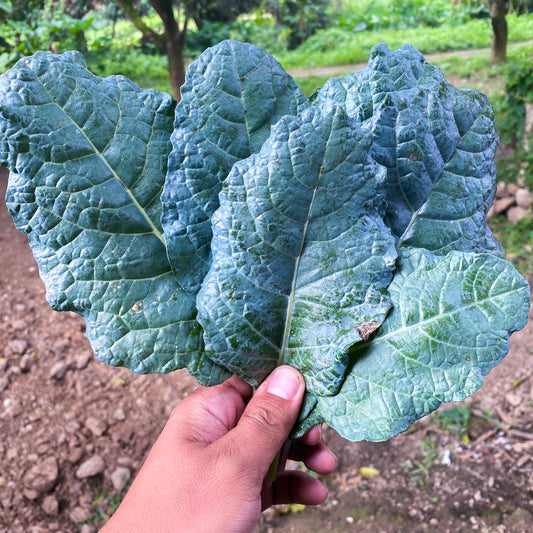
206	471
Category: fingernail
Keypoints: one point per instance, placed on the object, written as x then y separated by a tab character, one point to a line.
284	383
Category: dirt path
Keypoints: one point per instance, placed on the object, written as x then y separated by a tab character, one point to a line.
338	70
73	430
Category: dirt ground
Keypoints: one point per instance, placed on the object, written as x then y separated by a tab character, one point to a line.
73	431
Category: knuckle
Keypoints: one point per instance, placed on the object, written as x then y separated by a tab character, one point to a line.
268	416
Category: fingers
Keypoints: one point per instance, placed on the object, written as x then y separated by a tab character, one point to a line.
312	436
209	413
294	487
267	420
313	452
318	458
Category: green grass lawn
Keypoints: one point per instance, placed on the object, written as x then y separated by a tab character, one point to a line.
473	72
335	46
332	46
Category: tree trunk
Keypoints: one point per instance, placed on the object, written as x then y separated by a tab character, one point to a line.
175	42
199	22
176	63
81	42
172	42
499	31
148	35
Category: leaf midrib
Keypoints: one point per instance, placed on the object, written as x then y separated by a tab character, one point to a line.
99	154
241	96
434	318
292	294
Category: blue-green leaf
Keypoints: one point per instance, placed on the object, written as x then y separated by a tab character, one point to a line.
232	95
88	161
438	145
301	256
450	324
308	205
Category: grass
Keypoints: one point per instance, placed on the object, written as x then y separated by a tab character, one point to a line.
310	84
149	71
420	471
335	46
105	503
454	420
332	46
516	240
473	72
462	67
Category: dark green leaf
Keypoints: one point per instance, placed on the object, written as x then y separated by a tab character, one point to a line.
232	95
301	257
450	324
88	160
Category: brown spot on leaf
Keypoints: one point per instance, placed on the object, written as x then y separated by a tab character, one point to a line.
366	330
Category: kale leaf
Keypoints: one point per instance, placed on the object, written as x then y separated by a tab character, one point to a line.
248	227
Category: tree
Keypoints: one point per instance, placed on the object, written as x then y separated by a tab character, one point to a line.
302	17
22	9
497	11
77	9
176	16
31	25
223	11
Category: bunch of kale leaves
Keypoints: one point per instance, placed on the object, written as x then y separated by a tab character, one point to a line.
250	227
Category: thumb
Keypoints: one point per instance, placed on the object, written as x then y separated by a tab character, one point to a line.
268	419
210	412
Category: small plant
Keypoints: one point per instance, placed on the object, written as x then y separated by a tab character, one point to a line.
420	471
105	504
250	227
455	420
24	32
519	91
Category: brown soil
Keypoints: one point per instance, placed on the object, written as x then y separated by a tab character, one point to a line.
429	479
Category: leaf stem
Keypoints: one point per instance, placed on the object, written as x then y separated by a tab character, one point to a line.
278	463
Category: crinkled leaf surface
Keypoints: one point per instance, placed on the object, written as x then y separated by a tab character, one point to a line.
450	324
438	145
301	256
88	160
232	95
